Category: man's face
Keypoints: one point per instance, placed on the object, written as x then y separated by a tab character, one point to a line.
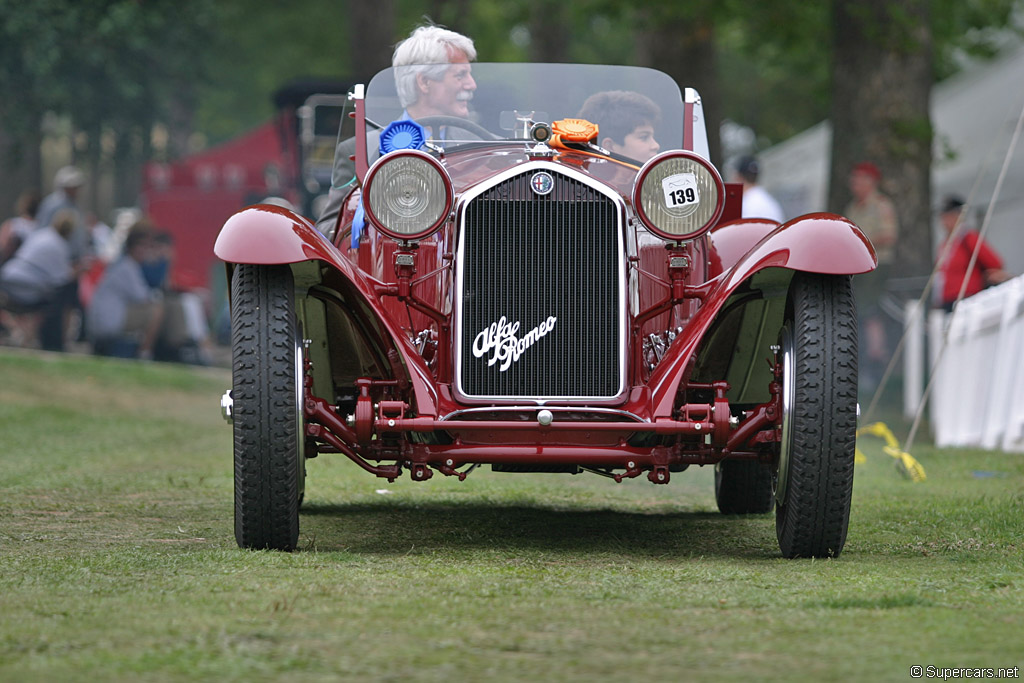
639	145
144	251
949	219
862	184
449	96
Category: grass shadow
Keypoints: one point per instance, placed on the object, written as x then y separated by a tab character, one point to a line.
385	528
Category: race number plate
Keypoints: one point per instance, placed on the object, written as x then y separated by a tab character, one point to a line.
681	191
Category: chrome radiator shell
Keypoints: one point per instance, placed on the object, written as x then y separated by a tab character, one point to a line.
525	258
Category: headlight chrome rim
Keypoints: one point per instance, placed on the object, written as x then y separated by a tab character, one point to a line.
372	176
714	179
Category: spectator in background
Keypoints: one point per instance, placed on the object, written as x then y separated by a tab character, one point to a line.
67	183
757	202
625	122
185	334
156	270
36	279
873	213
988	268
15	230
99	232
125	314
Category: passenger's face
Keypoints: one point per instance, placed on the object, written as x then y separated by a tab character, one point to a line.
639	145
449	96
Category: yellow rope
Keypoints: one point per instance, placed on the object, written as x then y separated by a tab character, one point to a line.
907	465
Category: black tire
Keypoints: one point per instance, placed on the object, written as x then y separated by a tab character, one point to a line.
269	434
814	482
743	487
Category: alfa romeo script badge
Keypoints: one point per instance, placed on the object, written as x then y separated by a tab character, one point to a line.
542	183
499	341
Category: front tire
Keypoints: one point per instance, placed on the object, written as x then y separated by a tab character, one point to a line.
269	444
743	487
814	482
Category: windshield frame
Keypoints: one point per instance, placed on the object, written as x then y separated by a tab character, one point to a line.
559	87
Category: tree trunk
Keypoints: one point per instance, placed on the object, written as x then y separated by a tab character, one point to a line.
127	167
689	58
547	32
881	85
180	123
372	34
21	165
92	159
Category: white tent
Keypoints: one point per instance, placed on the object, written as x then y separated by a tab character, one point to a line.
974	114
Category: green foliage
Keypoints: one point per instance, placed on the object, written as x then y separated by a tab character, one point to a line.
125	63
106	62
775	67
972	28
260	47
499	29
908	135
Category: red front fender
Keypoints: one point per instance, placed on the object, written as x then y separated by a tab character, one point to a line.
816	243
271	235
268	234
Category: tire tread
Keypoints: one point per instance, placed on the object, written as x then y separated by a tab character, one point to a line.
743	487
263	389
815	518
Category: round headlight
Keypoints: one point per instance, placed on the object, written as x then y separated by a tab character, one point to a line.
407	195
678	195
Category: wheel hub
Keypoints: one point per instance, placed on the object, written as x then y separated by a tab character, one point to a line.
788	391
300	398
227	407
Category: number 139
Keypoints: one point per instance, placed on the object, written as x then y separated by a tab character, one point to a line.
687	196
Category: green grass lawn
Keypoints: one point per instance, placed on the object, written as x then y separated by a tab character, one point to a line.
118	561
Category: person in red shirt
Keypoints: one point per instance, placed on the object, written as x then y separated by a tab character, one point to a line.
988	268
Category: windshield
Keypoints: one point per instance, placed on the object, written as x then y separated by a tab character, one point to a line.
505	99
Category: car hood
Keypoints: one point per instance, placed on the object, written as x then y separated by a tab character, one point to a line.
469	167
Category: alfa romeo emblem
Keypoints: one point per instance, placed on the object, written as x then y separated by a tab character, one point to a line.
542	183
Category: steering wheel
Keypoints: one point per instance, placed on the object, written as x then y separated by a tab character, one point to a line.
456	122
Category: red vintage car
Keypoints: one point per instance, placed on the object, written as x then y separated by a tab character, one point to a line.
508	287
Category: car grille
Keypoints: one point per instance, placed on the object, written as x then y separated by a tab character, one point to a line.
528	258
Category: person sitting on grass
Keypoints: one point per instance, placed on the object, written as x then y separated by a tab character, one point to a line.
36	279
125	315
625	122
16	229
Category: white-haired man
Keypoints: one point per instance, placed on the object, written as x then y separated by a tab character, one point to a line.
433	78
432	72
